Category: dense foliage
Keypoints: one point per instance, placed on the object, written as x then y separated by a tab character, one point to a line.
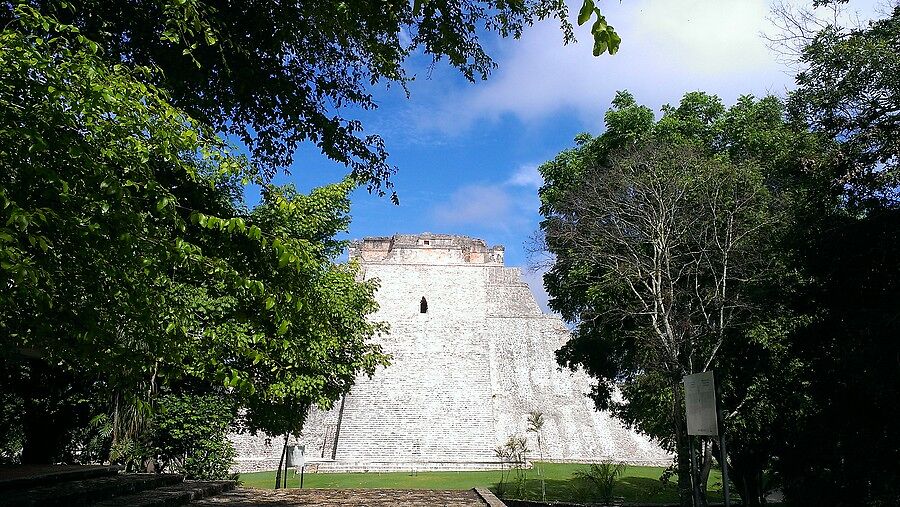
188	434
844	445
129	263
279	74
849	91
810	374
670	242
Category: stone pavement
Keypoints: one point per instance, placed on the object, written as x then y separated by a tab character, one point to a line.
246	497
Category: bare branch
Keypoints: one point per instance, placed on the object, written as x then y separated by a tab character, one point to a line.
673	232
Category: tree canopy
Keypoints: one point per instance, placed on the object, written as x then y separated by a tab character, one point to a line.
668	241
849	91
842	445
128	260
279	74
807	374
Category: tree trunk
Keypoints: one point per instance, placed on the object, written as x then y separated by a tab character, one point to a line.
682	447
753	491
703	473
541	472
748	482
39	446
48	415
280	463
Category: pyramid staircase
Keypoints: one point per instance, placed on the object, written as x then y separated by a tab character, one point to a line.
99	486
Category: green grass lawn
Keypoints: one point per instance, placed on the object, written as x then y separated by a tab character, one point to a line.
636	484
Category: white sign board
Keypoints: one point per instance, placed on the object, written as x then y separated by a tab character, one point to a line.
700	404
295	458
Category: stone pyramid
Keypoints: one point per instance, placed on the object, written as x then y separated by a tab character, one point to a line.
472	356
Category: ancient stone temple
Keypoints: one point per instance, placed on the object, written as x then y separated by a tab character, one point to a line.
472	355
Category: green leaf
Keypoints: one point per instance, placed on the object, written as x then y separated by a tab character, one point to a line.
614	41
118	240
599	26
599	47
587	9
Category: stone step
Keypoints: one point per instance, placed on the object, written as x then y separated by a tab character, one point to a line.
251	497
83	492
18	477
170	496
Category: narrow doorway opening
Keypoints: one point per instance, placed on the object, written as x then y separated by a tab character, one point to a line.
423	305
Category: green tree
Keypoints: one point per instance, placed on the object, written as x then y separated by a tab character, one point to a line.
843	446
666	237
536	425
277	75
848	91
634	220
128	262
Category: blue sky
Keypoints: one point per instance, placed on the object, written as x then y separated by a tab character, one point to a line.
467	153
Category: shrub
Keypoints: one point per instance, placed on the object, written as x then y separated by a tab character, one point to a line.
131	453
513	457
600	479
188	435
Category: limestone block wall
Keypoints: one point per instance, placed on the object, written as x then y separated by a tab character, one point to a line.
438	366
262	452
527	380
464	376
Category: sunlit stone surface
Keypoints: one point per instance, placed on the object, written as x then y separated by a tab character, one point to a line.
464	374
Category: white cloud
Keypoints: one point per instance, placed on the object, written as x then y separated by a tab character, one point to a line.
526	176
504	206
475	205
709	37
669	47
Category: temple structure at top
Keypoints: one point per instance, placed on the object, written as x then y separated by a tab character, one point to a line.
425	248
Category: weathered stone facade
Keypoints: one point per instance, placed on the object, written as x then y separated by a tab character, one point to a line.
465	372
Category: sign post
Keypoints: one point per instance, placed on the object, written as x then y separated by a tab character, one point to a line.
296	459
704	418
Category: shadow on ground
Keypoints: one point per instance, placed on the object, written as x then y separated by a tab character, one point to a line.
577	490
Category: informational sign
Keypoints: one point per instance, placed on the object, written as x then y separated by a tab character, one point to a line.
295	456
700	404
